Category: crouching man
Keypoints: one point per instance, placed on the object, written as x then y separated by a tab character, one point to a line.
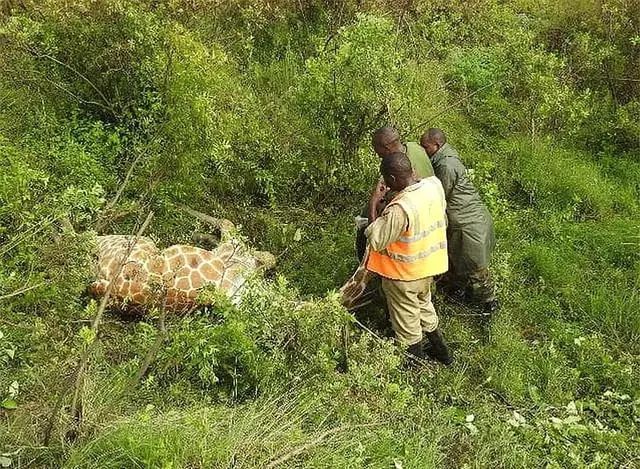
407	247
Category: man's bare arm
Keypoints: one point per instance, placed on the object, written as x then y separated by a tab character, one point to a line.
376	198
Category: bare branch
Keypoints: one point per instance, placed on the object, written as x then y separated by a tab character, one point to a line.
155	348
78	374
101	219
109	105
22	290
219	223
41	75
26	234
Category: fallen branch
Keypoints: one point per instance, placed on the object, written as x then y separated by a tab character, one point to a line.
218	223
78	374
21	291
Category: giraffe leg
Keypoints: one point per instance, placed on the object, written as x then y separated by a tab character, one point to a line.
355	293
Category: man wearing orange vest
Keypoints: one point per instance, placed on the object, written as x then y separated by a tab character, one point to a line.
386	140
407	247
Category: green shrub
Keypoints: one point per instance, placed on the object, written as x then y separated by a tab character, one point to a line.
234	353
263	113
552	178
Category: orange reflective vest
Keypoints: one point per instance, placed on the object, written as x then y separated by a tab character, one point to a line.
421	250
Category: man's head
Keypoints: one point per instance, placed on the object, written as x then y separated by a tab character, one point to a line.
397	171
432	140
386	140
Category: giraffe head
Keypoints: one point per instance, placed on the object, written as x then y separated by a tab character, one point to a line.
144	276
355	293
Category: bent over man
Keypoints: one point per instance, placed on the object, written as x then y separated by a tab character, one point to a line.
407	247
470	234
385	141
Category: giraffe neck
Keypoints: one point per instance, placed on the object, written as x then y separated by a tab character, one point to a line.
354	293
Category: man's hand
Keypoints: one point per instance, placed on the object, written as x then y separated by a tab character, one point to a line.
376	200
378	192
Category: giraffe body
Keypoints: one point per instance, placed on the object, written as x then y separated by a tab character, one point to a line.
173	277
169	278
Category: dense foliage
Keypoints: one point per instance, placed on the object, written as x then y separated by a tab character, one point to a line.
262	112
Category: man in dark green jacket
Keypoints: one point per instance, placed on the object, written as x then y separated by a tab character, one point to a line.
470	235
386	141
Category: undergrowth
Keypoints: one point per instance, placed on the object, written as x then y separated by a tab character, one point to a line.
262	113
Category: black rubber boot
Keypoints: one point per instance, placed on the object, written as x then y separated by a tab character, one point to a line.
438	349
416	355
416	350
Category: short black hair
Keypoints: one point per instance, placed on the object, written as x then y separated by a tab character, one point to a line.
397	165
386	135
437	136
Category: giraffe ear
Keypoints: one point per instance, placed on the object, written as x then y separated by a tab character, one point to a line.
265	260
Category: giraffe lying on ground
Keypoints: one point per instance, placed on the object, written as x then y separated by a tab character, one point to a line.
173	278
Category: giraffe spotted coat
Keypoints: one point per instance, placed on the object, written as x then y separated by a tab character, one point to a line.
171	278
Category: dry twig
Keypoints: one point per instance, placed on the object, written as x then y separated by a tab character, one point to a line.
155	348
78	374
22	290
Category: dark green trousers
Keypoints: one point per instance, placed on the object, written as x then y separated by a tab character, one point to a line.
477	286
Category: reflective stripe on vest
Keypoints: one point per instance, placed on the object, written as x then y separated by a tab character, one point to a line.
421	250
421	255
423	234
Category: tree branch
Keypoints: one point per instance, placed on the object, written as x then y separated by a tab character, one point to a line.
116	198
109	105
78	373
22	290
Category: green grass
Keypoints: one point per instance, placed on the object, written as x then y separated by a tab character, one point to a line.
263	114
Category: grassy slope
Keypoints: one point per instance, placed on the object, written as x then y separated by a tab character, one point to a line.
554	380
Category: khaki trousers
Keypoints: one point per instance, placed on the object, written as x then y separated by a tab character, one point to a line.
410	308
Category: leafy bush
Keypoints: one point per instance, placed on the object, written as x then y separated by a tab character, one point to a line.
233	353
263	113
